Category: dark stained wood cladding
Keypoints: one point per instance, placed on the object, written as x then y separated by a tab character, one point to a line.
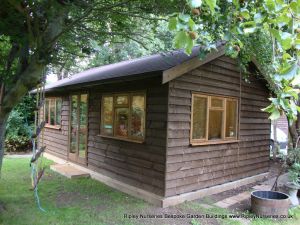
56	140
191	168
140	165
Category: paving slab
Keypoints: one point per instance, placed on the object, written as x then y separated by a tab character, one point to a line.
227	202
262	187
222	204
69	171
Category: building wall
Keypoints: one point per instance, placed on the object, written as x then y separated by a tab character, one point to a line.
191	168
282	124
56	140
140	165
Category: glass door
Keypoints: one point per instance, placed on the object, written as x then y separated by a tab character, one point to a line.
78	128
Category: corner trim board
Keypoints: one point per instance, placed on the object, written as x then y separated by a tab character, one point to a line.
189	65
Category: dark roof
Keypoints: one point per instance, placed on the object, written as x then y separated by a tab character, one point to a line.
143	65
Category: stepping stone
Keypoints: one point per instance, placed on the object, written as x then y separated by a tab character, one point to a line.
227	202
69	171
222	204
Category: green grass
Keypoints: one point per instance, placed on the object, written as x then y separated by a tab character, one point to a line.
89	202
78	201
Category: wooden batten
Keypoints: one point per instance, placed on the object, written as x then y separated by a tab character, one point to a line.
187	66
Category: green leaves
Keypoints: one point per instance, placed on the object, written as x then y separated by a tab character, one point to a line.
295	6
285	40
184	17
249	27
183	40
245	13
212	5
172	23
238	22
270	5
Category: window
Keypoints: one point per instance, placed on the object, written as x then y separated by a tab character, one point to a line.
214	119
53	111
123	116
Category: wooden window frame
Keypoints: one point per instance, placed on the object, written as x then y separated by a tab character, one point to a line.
129	138
224	139
48	123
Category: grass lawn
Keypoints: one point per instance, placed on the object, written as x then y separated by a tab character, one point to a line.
85	201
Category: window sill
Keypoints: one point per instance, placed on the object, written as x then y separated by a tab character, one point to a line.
122	139
214	142
53	127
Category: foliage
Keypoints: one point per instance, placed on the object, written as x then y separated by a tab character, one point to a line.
294	174
158	39
205	22
17	144
39	35
19	126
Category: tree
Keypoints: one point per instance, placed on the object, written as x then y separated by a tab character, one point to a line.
37	33
273	25
156	38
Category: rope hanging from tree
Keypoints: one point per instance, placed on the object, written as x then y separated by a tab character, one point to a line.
36	162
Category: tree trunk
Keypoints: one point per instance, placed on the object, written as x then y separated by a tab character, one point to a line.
293	131
3	121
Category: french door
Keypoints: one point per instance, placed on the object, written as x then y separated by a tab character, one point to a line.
78	128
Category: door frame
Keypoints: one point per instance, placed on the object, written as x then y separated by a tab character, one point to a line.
74	157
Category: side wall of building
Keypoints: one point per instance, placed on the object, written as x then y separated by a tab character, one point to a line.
56	140
138	164
191	168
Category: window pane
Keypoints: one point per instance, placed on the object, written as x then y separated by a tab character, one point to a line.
215	124
47	111
58	111
138	116
122	100
216	102
74	124
52	111
83	126
121	122
231	118
107	117
199	117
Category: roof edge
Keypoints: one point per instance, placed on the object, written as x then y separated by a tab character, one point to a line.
177	71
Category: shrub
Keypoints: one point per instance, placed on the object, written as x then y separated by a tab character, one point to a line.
19	126
17	144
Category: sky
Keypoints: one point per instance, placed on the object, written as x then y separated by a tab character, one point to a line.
51	78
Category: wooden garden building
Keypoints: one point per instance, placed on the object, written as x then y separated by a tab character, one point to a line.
166	128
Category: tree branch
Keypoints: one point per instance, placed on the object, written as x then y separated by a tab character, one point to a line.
27	81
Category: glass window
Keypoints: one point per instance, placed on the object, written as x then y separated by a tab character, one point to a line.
231	115
47	111
199	117
122	100
123	116
83	126
216	102
138	116
215	124
53	108
74	123
107	121
52	111
58	112
213	119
